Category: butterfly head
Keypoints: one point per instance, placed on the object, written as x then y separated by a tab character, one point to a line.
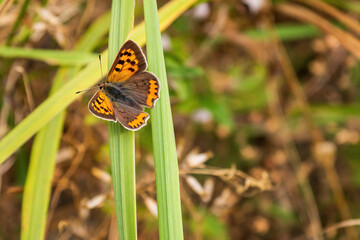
102	85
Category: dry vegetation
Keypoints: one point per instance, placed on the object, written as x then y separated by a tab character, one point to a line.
266	115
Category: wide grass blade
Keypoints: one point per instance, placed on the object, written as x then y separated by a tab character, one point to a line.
165	158
122	141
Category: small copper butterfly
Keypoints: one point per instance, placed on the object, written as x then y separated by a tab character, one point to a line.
128	89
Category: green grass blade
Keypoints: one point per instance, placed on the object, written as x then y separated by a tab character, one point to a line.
51	57
165	159
285	32
121	141
38	181
64	96
43	155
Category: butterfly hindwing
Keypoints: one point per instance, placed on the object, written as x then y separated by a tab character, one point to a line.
143	87
131	118
100	105
130	60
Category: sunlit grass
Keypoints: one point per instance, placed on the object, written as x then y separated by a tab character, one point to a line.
122	141
165	158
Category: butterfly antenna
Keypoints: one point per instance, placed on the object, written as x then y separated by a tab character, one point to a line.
88	89
102	76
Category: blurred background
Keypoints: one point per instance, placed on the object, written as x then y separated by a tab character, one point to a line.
265	105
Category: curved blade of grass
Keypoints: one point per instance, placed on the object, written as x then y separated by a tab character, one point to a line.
165	158
122	141
84	79
51	57
43	155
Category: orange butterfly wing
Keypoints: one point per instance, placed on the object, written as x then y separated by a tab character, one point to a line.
101	107
129	61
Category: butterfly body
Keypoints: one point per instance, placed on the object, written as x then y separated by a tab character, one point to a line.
128	89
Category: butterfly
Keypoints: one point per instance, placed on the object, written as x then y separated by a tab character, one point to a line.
128	89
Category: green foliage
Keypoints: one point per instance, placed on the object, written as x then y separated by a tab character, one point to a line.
285	32
210	227
228	66
335	113
279	212
165	157
122	141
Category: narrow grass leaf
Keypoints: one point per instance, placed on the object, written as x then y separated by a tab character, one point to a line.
51	57
121	141
165	158
285	32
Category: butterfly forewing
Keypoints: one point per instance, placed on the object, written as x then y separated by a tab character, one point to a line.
101	107
130	60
